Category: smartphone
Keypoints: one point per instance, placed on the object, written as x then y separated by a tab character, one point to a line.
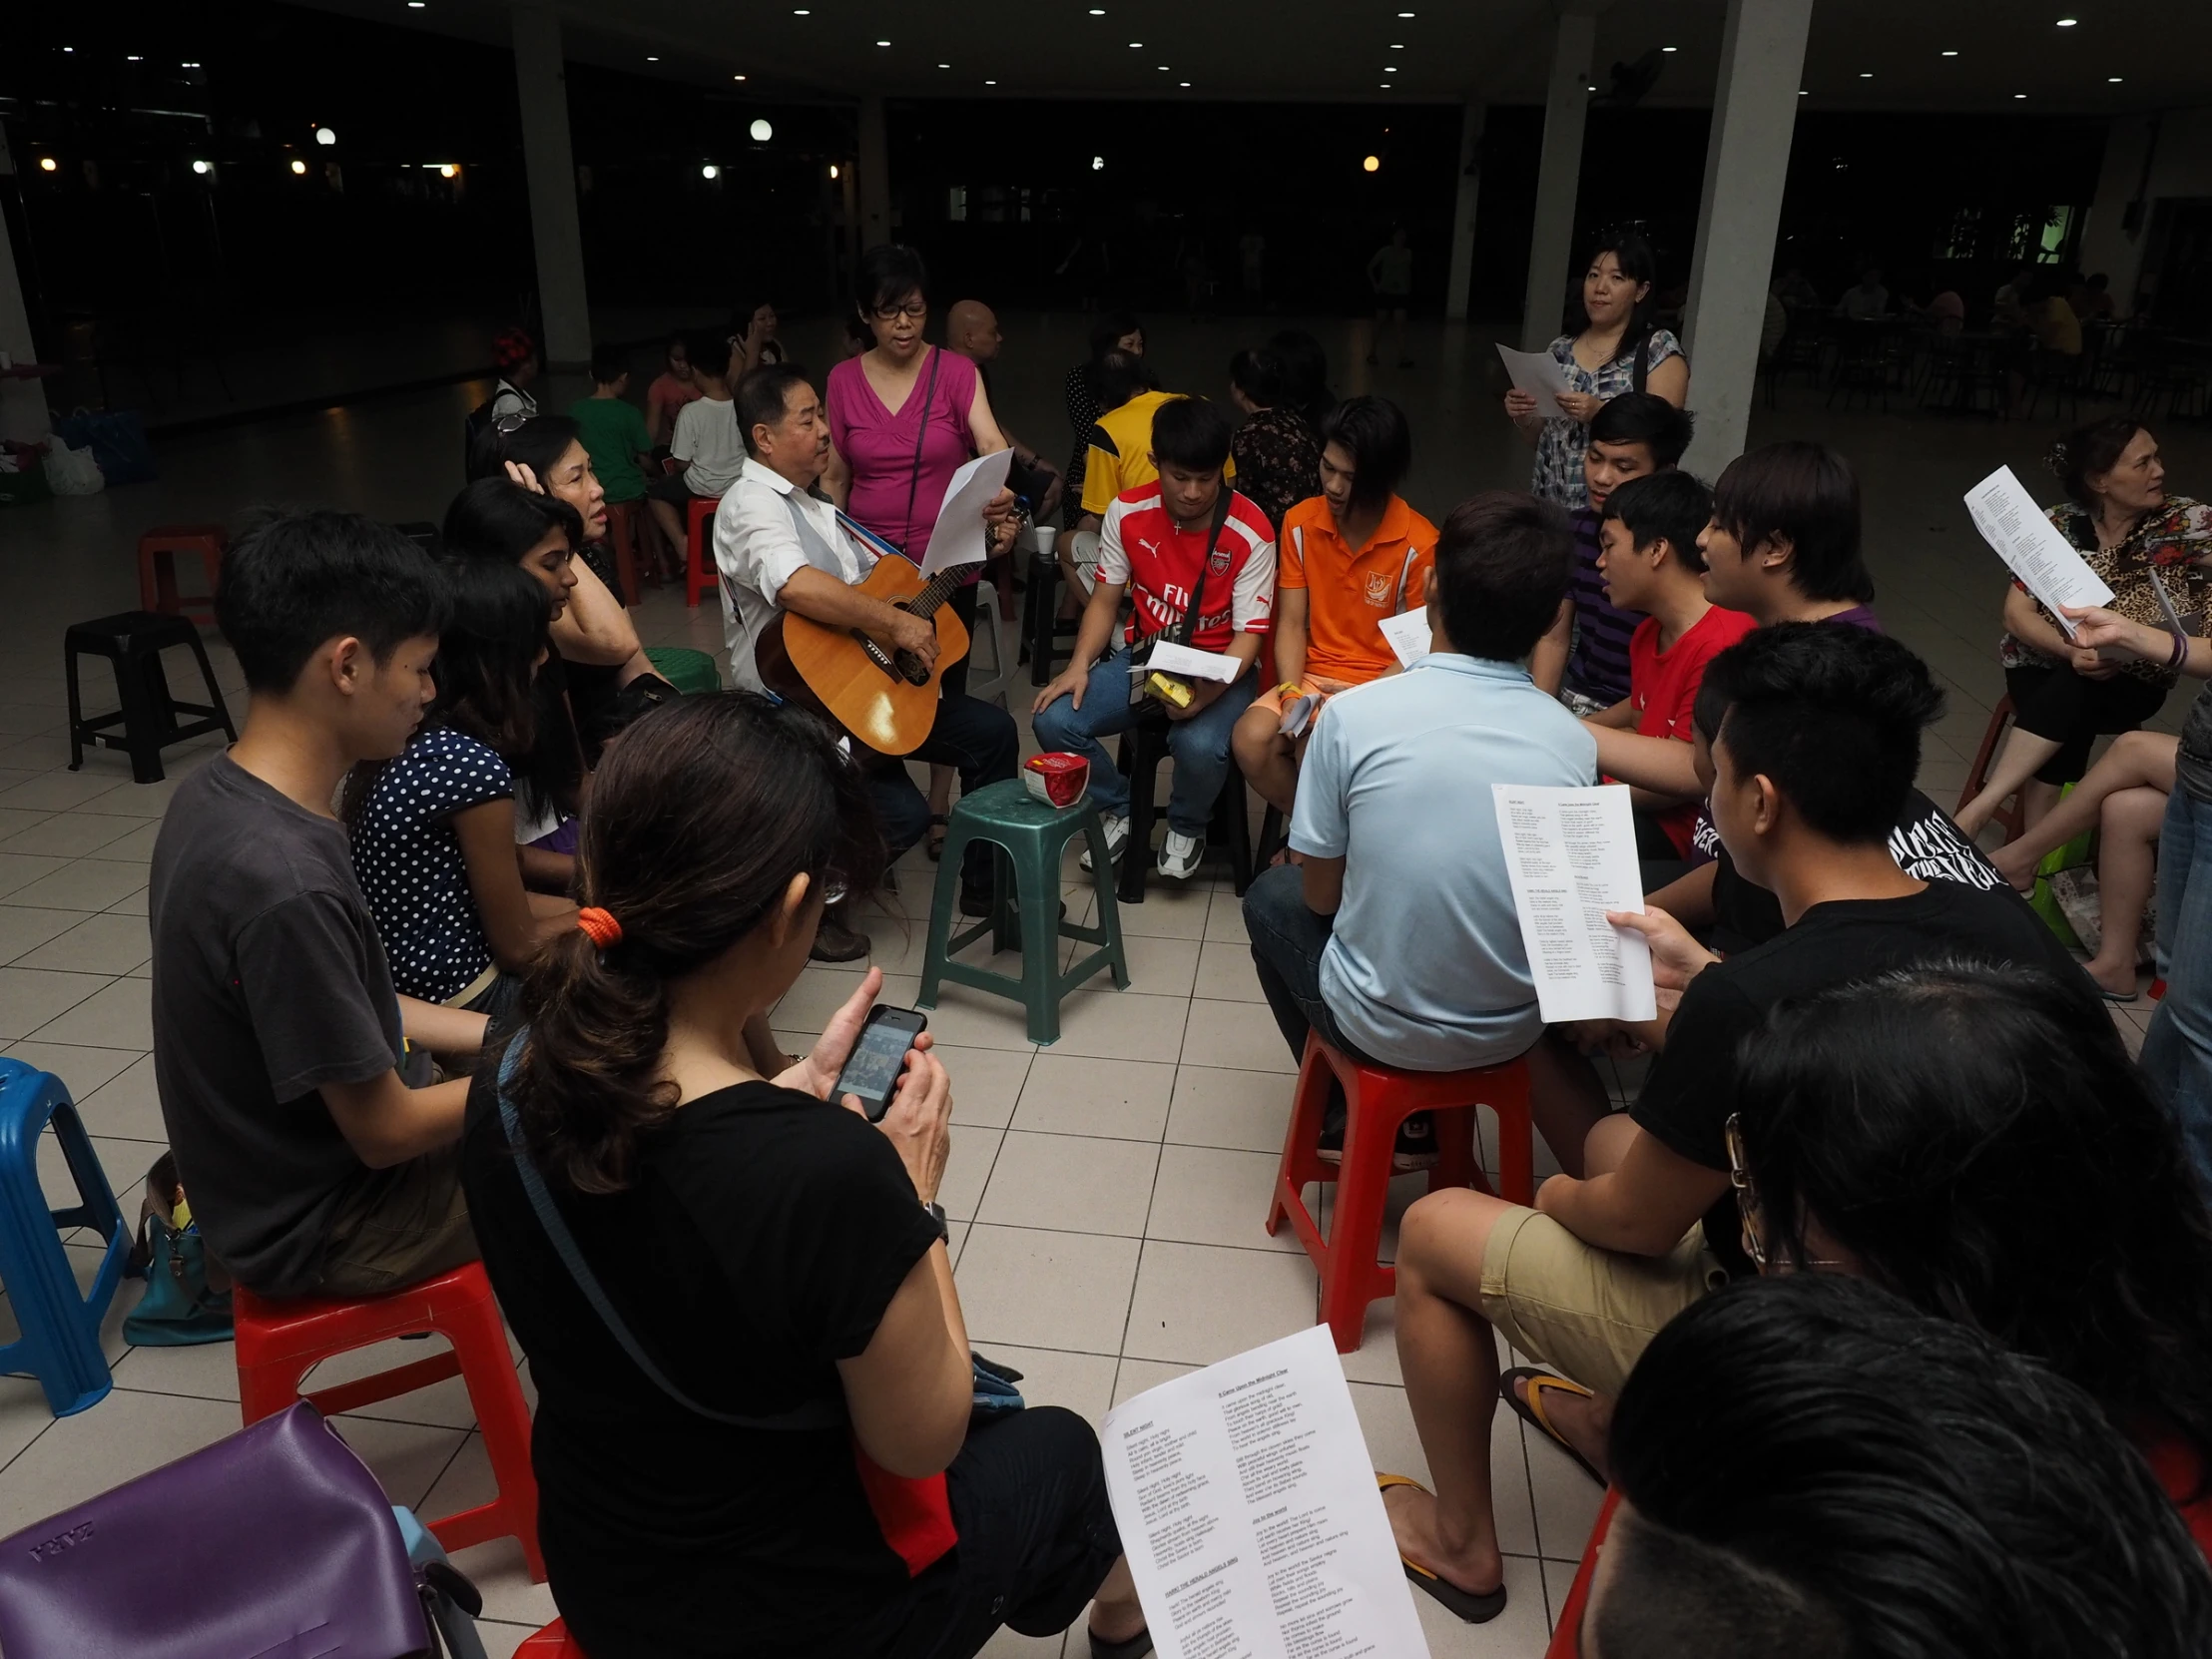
879	1059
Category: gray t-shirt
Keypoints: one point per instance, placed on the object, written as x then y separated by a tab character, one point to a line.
269	983
2193	765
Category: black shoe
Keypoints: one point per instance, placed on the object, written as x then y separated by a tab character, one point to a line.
1331	1145
837	941
1415	1148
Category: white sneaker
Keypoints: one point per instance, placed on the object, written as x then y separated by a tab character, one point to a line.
1181	854
1117	839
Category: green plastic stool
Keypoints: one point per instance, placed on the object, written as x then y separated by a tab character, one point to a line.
687	670
1033	835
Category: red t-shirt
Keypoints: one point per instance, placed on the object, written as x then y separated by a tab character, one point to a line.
1663	689
2176	1464
1140	546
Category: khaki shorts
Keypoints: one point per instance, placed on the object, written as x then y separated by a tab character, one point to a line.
1589	1312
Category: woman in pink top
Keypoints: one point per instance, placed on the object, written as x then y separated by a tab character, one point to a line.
904	417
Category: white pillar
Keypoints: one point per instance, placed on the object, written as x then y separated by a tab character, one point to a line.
22	402
876	174
1463	214
1747	160
2113	237
551	167
1550	243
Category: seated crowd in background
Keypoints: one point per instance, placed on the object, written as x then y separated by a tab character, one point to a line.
1873	1060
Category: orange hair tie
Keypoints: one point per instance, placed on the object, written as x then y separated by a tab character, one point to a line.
599	926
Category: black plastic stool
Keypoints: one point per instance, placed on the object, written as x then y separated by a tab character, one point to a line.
134	641
1143	747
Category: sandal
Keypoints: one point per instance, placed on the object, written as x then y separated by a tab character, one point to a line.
937	824
1531	1410
1466	1605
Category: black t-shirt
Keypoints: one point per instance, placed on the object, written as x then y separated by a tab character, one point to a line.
1690	1092
269	983
1926	845
763	1238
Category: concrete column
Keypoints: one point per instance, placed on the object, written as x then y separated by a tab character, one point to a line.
22	402
1551	242
876	174
2113	237
551	167
1747	161
1463	213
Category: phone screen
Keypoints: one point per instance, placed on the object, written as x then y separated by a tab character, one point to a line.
872	1071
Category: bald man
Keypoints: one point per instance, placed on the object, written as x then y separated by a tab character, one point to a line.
971	329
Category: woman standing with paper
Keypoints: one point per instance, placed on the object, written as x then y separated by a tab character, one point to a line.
905	416
2147	547
1618	349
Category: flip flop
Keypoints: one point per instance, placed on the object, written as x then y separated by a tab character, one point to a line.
1531	1411
1463	1604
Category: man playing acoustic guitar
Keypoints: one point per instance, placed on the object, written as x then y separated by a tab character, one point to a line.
781	549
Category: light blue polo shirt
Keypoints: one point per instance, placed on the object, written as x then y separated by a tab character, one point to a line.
1425	968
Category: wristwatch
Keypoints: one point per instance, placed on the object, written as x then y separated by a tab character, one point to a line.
945	1225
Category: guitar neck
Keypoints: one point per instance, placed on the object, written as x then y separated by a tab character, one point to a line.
935	592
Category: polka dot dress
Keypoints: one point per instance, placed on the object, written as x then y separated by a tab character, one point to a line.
410	867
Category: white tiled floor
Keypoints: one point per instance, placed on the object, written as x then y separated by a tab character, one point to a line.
1109	1191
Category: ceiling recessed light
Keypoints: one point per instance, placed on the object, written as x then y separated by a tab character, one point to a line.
1866	75
47	163
1386	86
297	167
944	66
1182	83
882	43
1372	163
415	5
710	170
990	83
760	130
651	58
2114	80
1098	163
1389	69
1135	45
2020	95
130	57
1802	93
2068	22
1406	14
323	135
1670	48
1952	53
737	77
200	167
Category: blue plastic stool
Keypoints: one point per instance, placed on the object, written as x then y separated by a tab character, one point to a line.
60	1344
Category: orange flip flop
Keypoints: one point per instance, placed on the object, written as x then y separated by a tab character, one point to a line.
1464	1604
1531	1411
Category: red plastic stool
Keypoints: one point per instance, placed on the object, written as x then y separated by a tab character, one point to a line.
553	1642
621	536
700	574
1978	775
279	1343
1378	1100
1567	1635
156	564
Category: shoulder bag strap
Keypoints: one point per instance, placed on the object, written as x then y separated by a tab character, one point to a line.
1186	625
818	1415
922	436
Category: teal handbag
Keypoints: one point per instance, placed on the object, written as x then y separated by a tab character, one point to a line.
179	1310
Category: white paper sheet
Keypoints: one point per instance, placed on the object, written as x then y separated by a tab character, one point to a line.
1410	634
1571	855
1249	1511
1170	657
1538	373
2044	561
958	536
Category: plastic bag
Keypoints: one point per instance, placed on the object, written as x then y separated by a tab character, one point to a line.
72	471
117	439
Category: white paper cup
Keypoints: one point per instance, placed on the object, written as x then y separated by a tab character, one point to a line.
1046	536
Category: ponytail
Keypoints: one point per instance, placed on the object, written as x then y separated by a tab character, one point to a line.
698	822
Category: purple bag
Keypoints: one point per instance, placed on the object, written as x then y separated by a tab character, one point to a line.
275	1543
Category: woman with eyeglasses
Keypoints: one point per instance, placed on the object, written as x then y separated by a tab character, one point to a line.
905	416
1976	1139
1618	349
756	1423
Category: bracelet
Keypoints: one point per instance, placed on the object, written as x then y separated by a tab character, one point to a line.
2181	651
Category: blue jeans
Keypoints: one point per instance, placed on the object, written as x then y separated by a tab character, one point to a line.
1288	941
1198	745
2177	1054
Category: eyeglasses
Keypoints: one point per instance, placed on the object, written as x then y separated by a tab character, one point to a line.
1748	1207
508	425
915	309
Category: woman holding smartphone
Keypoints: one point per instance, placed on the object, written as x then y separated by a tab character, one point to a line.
785	1431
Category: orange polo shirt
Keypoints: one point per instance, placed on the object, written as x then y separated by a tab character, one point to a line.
1348	594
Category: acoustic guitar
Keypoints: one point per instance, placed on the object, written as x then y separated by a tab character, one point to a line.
885	700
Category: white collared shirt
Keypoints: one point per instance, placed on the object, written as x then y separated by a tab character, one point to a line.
757	547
